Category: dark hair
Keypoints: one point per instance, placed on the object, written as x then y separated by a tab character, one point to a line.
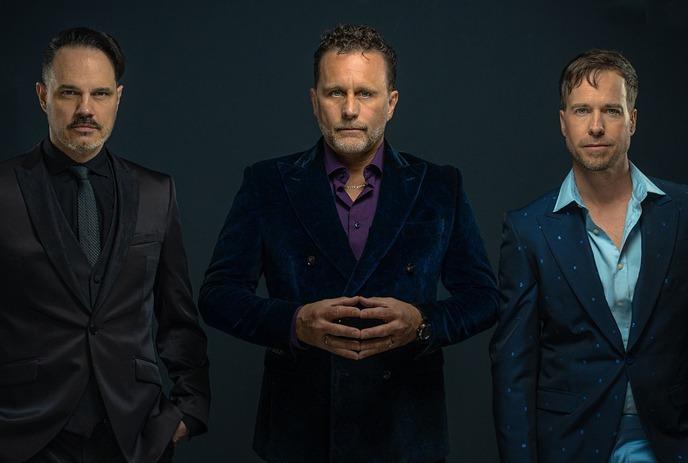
589	64
85	37
346	38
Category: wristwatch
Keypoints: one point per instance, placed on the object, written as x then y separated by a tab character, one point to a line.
424	331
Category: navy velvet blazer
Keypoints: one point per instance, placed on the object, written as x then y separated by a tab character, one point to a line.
316	407
559	364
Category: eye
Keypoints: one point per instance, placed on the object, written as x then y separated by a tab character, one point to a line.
614	111
365	94
67	92
336	93
101	94
580	111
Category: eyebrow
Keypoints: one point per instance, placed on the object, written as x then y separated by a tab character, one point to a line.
95	90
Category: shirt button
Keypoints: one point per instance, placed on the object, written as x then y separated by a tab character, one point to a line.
619	266
596	231
310	261
410	268
386	375
96	279
619	303
357	225
93	329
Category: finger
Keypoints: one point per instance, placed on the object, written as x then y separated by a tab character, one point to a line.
348	301
336	342
373	301
380	313
349	354
343	331
382	344
370	352
379	331
342	311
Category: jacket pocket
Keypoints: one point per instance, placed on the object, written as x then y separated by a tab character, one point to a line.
556	401
19	372
147	372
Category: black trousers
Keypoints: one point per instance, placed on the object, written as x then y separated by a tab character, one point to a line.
101	447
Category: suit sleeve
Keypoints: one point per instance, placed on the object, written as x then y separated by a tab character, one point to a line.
227	298
514	351
468	276
181	342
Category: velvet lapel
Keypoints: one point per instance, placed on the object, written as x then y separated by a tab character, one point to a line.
310	195
568	240
127	210
51	228
399	189
658	226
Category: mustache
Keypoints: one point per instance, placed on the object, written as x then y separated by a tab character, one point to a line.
84	121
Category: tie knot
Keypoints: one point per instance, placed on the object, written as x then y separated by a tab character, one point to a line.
80	172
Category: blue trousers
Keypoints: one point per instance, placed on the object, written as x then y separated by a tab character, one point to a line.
632	445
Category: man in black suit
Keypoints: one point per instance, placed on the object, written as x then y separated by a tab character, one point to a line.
91	252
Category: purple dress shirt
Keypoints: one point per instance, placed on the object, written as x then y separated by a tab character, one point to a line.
356	216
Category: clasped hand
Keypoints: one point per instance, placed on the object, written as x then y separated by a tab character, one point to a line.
319	324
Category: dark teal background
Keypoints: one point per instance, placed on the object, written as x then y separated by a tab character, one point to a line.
213	86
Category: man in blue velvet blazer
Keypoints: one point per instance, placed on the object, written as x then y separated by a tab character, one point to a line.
590	359
352	238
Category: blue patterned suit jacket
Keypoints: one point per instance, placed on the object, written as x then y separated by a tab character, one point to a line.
559	365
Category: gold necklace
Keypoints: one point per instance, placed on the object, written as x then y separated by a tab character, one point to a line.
354	187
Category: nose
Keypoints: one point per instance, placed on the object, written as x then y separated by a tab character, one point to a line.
350	107
84	107
596	127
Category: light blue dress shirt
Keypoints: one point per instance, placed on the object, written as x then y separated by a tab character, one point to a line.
618	268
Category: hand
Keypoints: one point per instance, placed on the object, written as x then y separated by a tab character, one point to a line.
401	324
316	324
180	434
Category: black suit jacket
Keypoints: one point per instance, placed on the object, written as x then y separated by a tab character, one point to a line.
559	365
314	406
53	334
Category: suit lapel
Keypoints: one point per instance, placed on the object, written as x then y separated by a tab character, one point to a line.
567	239
658	227
310	195
51	228
399	189
125	225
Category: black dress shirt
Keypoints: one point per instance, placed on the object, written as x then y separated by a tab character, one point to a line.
66	186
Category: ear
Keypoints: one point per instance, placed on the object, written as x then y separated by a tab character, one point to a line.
42	92
562	123
120	89
314	101
634	120
393	99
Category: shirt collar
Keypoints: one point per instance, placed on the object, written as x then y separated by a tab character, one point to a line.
333	164
642	186
56	161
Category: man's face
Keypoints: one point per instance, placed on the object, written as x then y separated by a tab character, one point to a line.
80	98
352	101
597	122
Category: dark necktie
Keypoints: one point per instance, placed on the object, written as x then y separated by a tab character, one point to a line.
87	215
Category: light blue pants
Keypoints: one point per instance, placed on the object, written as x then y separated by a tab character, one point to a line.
632	445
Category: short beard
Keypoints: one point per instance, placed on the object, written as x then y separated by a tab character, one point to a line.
593	164
85	148
356	148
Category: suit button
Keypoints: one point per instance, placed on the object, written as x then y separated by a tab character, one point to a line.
386	375
629	360
93	329
310	261
410	268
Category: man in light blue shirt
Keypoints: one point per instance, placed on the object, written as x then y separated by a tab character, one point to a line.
589	359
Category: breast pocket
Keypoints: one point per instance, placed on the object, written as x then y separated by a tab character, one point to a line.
557	401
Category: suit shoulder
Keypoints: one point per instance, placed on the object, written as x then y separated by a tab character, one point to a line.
145	173
677	191
8	165
539	206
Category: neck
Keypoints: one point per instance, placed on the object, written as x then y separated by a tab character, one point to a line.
606	186
356	163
